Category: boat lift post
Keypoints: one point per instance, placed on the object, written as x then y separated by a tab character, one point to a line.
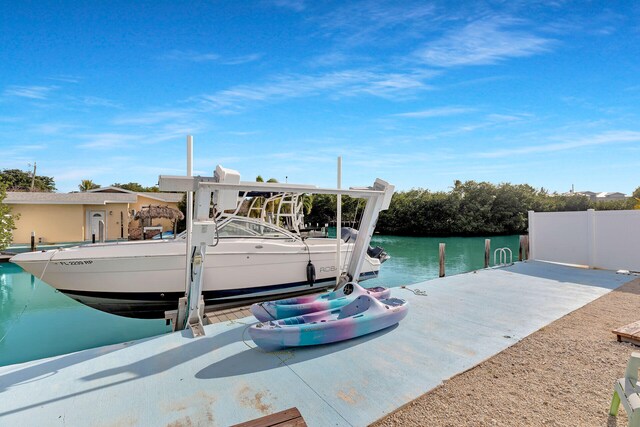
339	226
225	186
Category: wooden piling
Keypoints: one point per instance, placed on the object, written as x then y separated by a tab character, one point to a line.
441	250
521	248
487	252
33	241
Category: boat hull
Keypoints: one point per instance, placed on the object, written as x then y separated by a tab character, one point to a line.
152	305
116	279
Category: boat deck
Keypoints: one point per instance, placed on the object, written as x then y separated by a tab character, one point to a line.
222	379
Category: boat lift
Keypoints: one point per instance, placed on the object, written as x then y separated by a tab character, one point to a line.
222	190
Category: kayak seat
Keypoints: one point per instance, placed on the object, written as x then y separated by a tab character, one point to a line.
357	306
293	320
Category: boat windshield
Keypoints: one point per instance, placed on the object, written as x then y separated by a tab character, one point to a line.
240	227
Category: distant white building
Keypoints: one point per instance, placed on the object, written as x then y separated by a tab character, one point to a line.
599	197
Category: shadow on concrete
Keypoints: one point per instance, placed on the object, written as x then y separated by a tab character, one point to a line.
157	363
39	370
254	360
561	273
182	353
250	360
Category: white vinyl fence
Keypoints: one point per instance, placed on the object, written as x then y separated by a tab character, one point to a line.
597	239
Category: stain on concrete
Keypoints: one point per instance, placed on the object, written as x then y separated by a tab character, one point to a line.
349	395
249	398
184	422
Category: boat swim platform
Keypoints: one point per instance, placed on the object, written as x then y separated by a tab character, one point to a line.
221	379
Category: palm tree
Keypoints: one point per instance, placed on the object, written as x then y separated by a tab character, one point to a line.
307	203
87	184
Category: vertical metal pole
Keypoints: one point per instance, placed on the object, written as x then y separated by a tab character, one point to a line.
487	252
441	251
189	216
339	224
33	241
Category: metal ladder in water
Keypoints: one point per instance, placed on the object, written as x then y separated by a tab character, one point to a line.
501	255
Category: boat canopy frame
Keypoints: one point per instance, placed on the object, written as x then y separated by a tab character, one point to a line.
224	192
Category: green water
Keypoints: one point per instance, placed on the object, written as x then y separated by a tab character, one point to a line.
53	324
416	259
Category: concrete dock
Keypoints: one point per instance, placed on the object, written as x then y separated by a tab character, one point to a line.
222	379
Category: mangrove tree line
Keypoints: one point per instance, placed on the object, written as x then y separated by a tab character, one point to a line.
469	208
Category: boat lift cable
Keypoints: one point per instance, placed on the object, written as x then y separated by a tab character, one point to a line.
215	224
418	292
350	252
261	304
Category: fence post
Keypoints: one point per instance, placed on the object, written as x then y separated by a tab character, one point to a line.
591	238
487	252
531	239
520	247
101	231
33	241
441	251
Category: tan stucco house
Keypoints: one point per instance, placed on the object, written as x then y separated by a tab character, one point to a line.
71	217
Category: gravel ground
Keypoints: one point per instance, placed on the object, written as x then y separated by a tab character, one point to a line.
561	375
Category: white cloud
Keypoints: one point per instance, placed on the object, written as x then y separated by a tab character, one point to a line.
483	42
237	60
367	22
53	128
31	92
152	118
605	138
337	84
66	78
437	112
95	101
295	5
192	56
108	140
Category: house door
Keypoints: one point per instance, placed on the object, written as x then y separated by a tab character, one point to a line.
94	224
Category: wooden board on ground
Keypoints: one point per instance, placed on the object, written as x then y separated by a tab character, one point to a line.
288	418
629	333
228	314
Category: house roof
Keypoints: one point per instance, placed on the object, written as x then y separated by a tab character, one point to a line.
163	197
611	194
40	198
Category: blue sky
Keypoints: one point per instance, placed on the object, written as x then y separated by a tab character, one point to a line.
418	93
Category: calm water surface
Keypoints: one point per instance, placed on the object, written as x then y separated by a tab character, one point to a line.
37	321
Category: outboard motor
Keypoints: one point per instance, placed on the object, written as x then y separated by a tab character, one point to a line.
349	234
379	253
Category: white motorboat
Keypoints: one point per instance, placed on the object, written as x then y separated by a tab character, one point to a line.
252	259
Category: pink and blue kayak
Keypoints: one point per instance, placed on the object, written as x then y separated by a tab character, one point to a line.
362	316
290	307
